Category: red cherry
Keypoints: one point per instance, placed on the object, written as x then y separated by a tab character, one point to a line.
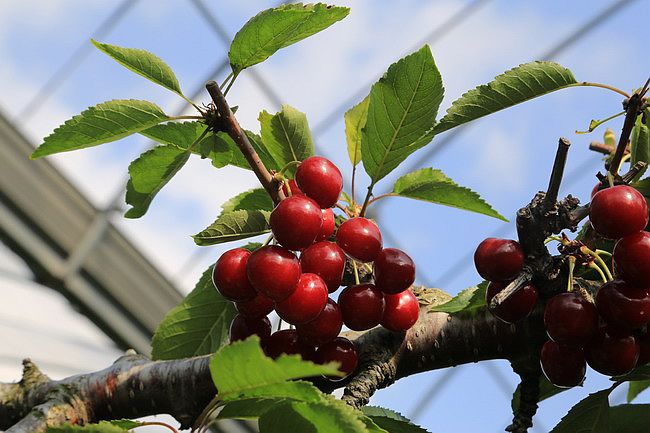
570	319
259	306
632	259
623	305
595	189
499	259
362	306
360	238
321	180
296	221
394	271
293	186
229	275
243	327
326	327
518	306
339	350
329	224
401	311
327	260
618	211
274	271
306	302
612	352
286	342
564	366
644	349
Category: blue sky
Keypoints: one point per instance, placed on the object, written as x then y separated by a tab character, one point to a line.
505	157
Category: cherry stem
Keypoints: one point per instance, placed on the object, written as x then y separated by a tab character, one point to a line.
557	173
603	252
554	238
357	281
156	423
268	240
599	270
600	262
572	266
289	164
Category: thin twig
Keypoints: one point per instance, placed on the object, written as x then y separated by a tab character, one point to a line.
557	173
631	112
522	279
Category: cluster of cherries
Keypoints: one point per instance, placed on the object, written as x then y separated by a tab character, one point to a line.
297	287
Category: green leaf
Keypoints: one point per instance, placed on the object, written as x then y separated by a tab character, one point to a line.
233	226
591	415
105	122
391	421
639	373
126	424
355	120
279	27
253	199
252	246
434	186
197	326
143	63
149	173
643	186
286	136
517	85
546	390
402	109
101	427
640	142
637	387
467	301
629	418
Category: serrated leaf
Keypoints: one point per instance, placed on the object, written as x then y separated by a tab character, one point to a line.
105	122
391	421
591	415
355	120
629	418
197	326
434	186
279	27
515	86
402	109
233	226
635	388
101	427
149	173
253	199
640	142
286	136
467	301
143	63
546	390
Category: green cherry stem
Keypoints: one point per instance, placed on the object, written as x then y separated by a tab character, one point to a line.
597	268
598	260
268	240
356	272
572	265
289	165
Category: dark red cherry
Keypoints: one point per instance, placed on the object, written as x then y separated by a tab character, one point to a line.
362	306
293	186
394	271
632	259
296	221
326	327
499	259
570	319
229	275
329	224
327	260
644	349
274	271
618	211
339	350
321	180
623	305
401	311
286	342
360	238
595	189
259	306
564	366
518	306
243	327
612	352
306	302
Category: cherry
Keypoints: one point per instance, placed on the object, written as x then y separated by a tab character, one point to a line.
274	271
631	258
296	221
623	305
618	211
321	180
229	275
362	306
394	271
329	224
517	306
259	306
401	311
570	319
286	342
644	349
339	350
612	352
306	302
360	238
564	366
327	260
595	189
243	327
293	187
323	328
498	259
